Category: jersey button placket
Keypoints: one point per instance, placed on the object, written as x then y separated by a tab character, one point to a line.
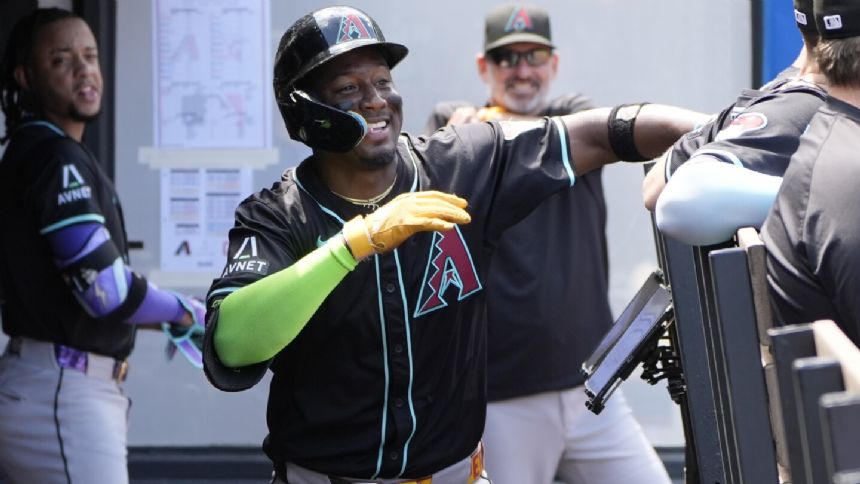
396	321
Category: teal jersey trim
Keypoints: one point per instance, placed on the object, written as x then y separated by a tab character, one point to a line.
119	279
90	217
385	366
223	290
565	156
53	127
322	207
411	365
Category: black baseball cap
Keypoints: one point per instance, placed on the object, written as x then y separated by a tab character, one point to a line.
508	24
837	19
803	15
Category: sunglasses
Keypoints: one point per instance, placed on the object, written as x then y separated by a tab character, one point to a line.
510	58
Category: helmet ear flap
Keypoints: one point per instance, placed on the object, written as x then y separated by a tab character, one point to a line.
321	126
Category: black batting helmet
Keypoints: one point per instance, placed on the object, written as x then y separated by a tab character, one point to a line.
311	41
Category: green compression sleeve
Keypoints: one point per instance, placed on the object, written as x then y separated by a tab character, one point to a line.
259	320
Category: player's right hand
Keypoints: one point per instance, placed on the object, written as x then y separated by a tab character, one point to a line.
409	213
187	335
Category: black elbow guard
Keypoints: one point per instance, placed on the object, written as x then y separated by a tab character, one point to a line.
620	124
136	294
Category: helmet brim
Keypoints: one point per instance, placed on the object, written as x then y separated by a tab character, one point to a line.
392	51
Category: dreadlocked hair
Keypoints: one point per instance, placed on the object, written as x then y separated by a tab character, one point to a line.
13	99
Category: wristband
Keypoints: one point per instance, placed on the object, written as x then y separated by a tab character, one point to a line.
621	121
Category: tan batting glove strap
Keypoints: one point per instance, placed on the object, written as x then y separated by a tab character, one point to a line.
357	238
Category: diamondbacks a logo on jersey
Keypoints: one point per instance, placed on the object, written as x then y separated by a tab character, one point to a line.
352	28
519	21
246	259
743	123
450	264
74	188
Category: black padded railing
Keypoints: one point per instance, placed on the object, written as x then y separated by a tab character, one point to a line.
760	404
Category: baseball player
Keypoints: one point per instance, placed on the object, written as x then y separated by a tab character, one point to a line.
812	235
541	327
803	67
358	277
71	304
730	182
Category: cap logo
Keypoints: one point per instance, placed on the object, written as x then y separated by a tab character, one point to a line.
832	22
519	21
800	17
352	28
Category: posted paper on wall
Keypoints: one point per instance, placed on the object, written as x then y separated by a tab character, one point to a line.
212	91
197	207
212	74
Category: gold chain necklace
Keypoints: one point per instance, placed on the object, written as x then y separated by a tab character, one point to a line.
372	202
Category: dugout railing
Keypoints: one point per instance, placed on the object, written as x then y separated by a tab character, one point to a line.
759	404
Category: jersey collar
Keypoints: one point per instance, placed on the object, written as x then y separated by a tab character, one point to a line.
311	184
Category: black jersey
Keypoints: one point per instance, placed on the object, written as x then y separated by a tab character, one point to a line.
688	144
388	376
49	181
760	131
790	72
542	324
812	234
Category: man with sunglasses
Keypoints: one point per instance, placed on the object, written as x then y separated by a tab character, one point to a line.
538	427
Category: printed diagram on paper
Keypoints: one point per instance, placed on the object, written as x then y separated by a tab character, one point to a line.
212	93
211	74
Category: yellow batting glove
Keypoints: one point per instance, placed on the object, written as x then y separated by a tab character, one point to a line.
409	213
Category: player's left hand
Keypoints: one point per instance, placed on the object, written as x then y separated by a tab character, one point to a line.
188	339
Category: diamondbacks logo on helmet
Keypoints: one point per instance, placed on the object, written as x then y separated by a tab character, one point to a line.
353	28
519	21
450	264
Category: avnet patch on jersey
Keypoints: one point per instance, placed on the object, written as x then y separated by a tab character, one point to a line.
74	186
743	123
246	259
